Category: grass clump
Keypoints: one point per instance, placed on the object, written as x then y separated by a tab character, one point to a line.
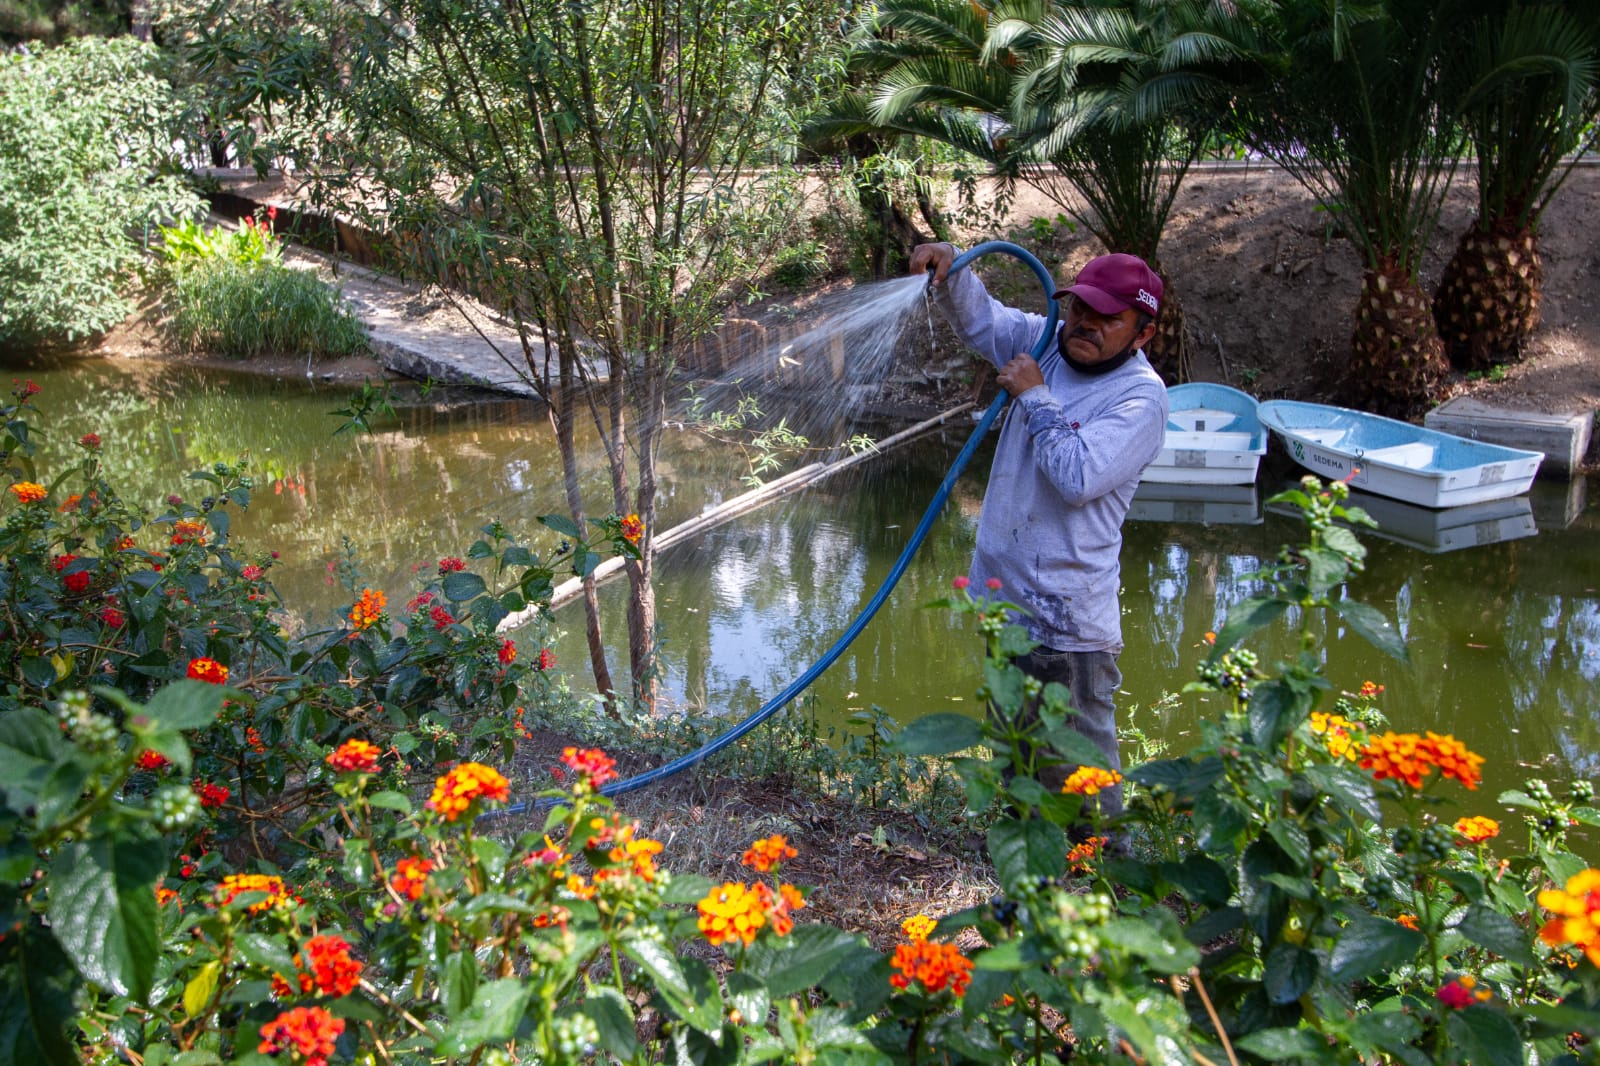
231	293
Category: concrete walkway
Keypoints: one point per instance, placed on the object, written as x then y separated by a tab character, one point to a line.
424	332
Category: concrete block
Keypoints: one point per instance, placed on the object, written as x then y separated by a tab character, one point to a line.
1563	436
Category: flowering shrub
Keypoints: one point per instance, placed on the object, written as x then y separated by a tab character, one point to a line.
223	843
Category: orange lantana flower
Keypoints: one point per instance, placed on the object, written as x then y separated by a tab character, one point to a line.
235	885
1089	780
354	757
1477	829
763	855
935	966
463	786
366	611
29	491
411	877
1410	758
1575	914
917	927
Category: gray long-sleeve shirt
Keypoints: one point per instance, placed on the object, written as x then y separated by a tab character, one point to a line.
1065	469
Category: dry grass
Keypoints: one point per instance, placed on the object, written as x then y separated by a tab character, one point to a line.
868	869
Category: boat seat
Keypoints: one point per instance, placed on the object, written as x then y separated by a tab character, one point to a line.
1201	419
1409	455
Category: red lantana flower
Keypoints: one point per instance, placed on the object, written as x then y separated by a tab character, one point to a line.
441	617
209	671
113	617
507	653
336	973
308	1033
547	659
592	766
152	761
211	794
90	441
450	564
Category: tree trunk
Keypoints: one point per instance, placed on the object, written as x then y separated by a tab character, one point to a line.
1487	303
1168	350
1396	358
561	419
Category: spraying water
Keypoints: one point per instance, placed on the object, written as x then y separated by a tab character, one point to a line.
819	371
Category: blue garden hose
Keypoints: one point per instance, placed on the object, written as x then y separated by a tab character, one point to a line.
799	684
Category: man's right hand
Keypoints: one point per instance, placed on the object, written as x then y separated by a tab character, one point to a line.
938	256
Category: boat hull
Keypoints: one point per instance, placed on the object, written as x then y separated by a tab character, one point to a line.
1390	458
1213	437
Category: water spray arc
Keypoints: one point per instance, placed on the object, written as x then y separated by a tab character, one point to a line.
935	507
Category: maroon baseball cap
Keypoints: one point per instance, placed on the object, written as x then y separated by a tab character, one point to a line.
1113	283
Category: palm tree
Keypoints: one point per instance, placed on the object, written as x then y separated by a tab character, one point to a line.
1101	105
1350	103
1529	82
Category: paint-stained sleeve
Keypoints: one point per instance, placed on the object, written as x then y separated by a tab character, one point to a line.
1087	461
999	333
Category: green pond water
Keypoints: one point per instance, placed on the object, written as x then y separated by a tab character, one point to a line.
1501	607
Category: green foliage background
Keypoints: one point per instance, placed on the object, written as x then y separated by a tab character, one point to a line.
83	138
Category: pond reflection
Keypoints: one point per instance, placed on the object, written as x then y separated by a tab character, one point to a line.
1504	632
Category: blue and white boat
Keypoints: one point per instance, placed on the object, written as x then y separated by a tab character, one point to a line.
1213	437
1391	458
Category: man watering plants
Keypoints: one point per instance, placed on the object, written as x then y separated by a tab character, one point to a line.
1084	422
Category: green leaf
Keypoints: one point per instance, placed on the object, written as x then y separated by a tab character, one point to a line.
462	585
1157	938
1285	1044
391	801
458	982
749	997
1201	879
1369	944
1292	839
667	973
1275	709
1488	928
1075	748
938	734
613	1016
1352	790
1288	973
264	951
36	1007
687	888
1324	570
103	910
1486	1037
817	952
180	705
561	524
493	1017
30	745
1372	625
1513	797
1025	851
1250	615
1187	779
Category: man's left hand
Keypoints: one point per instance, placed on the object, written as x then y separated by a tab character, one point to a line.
1020	375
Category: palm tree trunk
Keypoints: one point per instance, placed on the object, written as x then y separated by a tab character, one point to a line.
1487	303
1168	350
1396	358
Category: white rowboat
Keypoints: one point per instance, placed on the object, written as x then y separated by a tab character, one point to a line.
1391	458
1213	437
